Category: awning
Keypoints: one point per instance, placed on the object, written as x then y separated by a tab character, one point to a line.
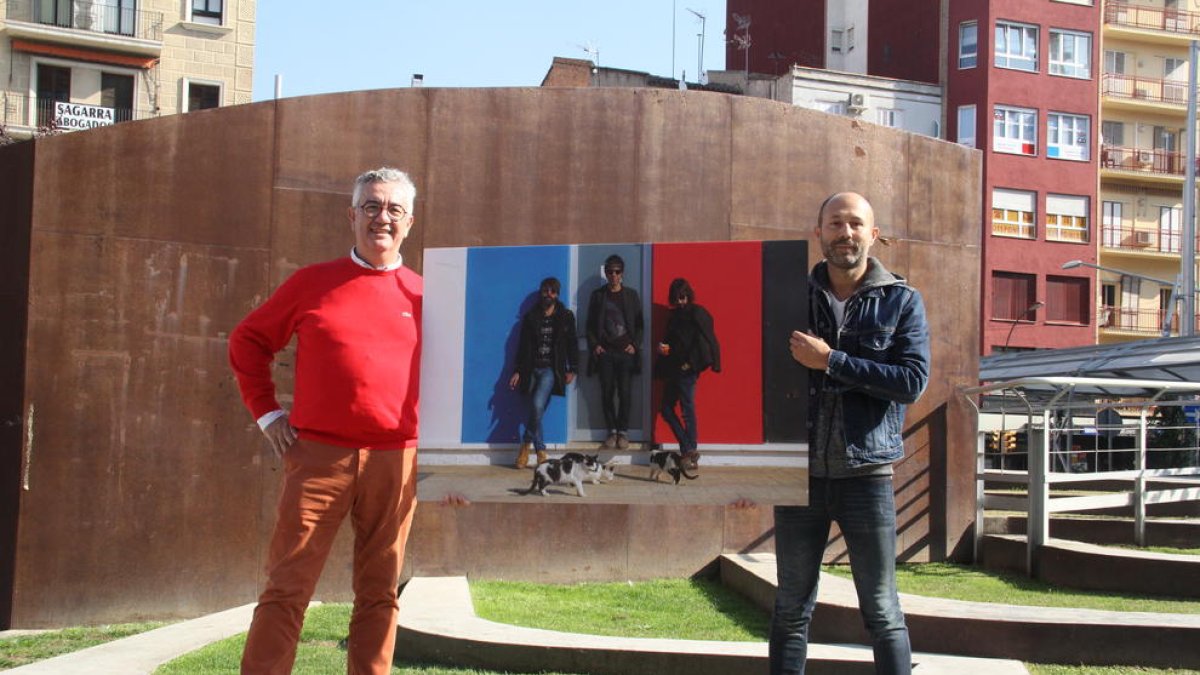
82	54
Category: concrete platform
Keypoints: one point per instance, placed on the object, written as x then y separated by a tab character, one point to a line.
438	623
716	485
1076	564
1034	634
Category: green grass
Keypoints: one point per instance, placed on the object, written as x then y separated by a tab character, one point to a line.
681	609
23	649
963	582
1162	549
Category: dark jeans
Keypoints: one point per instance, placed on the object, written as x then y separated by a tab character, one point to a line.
681	389
616	370
539	399
865	510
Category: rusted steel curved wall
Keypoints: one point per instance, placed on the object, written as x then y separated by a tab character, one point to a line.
148	490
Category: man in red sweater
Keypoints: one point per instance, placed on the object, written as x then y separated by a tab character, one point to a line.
349	443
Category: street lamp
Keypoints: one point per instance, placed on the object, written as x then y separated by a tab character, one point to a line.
1188	324
1028	310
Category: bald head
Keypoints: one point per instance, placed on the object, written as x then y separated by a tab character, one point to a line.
846	230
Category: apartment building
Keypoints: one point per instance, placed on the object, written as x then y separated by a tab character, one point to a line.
1079	109
77	64
1142	164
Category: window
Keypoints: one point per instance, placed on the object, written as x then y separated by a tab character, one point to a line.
1016	46
1070	53
1114	62
1012	295
890	117
116	92
837	40
968	44
966	125
1175	80
832	107
1111	221
1067	299
850	39
1067	218
1012	213
53	84
1170	229
1014	130
1067	136
201	96
1112	133
207	11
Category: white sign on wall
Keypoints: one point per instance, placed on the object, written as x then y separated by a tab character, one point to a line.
76	116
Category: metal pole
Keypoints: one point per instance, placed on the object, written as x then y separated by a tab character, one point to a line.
1139	484
672	38
1037	519
1187	275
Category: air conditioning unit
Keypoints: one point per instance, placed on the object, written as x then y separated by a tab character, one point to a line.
1143	238
856	103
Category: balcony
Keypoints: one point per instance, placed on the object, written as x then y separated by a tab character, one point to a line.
1136	320
104	24
20	113
1144	89
1127	238
1166	163
1130	15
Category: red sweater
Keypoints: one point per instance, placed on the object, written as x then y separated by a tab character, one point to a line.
358	353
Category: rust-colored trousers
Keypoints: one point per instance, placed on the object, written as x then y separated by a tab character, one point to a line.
322	485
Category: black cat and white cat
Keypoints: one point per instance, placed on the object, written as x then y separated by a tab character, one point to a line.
572	468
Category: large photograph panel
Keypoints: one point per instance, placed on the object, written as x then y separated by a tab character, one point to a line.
474	422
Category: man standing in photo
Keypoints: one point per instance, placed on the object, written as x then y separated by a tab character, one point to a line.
349	443
547	358
868	357
614	335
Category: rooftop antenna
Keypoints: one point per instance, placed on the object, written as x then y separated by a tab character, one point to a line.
592	51
700	46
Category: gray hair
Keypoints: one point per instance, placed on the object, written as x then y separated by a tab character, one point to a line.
386	174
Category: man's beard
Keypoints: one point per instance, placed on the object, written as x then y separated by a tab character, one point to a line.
843	259
547	303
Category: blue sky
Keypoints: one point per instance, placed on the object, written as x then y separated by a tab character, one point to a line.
373	44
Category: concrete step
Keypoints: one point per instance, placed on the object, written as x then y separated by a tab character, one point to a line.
438	623
1033	634
1075	564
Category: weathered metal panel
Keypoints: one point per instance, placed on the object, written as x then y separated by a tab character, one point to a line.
151	494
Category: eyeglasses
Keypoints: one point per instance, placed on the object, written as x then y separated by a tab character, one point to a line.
613	271
373	209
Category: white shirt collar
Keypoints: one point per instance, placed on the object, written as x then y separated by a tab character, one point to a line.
358	260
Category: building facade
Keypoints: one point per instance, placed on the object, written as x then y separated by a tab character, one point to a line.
1142	164
1079	109
76	64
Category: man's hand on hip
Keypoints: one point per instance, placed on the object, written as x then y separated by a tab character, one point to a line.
281	435
810	350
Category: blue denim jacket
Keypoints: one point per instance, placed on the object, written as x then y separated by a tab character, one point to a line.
879	364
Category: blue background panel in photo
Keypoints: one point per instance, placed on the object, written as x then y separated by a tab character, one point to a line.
502	284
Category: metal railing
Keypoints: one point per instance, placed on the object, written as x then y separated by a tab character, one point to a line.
15	111
1068	442
1134	319
1172	20
1153	89
1129	238
1167	162
97	16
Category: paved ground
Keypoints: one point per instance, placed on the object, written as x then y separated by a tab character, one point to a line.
141	654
